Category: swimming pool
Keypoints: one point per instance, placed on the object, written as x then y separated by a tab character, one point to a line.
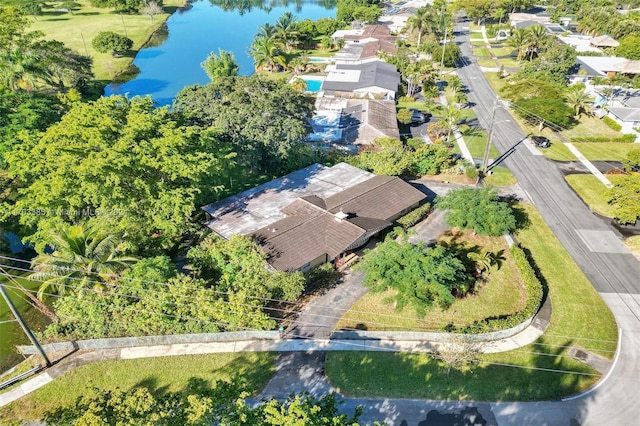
315	59
313	85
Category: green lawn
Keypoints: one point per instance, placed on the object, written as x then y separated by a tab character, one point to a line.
579	317
78	29
606	151
593	193
478	43
557	151
159	374
503	294
487	63
501	176
591	127
481	52
496	82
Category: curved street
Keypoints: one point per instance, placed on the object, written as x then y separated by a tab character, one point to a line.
598	251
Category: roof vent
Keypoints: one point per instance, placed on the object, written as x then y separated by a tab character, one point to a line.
340	216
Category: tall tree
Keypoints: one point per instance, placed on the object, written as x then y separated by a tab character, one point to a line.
421	276
83	257
479	210
266	54
625	197
222	65
286	30
580	101
262	118
519	42
120	162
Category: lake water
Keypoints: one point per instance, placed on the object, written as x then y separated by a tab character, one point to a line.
194	34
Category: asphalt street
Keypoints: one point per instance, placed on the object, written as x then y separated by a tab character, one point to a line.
595	247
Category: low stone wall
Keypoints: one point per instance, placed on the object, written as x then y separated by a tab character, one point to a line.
432	336
129	342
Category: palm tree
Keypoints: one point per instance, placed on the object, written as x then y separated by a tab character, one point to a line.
298	64
449	119
286	31
518	41
580	101
266	54
536	36
416	74
19	68
299	84
422	21
266	31
84	257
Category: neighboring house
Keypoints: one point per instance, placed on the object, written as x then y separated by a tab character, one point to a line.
374	80
596	66
603	41
364	44
517	19
582	43
314	215
623	105
350	123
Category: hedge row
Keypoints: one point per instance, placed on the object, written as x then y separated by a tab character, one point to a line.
624	138
612	123
534	291
414	216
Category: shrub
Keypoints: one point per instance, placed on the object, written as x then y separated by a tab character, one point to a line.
612	123
471	172
406	99
534	291
627	138
109	41
414	216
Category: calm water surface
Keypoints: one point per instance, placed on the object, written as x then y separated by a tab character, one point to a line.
193	34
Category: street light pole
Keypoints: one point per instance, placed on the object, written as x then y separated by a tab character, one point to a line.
24	326
485	158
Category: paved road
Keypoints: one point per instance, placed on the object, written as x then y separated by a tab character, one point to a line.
610	267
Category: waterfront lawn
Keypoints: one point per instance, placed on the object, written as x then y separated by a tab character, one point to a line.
160	375
76	31
502	294
579	317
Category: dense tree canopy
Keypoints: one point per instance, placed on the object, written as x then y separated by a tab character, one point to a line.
421	276
198	405
262	118
545	111
479	210
625	196
123	163
629	47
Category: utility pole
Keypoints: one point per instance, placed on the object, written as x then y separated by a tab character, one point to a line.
485	159
24	326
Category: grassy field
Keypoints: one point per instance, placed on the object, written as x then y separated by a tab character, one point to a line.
481	52
592	191
159	374
606	151
78	29
500	176
579	317
503	294
487	63
591	127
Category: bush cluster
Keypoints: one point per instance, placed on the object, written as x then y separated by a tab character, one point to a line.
534	291
612	123
414	216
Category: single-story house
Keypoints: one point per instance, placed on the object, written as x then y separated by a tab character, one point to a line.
365	34
517	20
582	43
623	105
315	214
354	53
596	66
349	124
373	80
604	41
